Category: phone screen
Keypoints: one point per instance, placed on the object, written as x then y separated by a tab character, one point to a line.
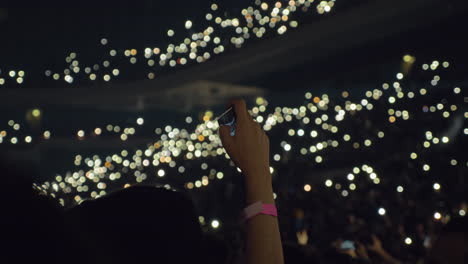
228	118
347	245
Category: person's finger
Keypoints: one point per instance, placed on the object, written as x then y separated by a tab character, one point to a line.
226	138
258	126
241	111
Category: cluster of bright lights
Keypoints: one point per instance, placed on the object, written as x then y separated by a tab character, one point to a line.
346	189
320	121
198	43
176	147
16	76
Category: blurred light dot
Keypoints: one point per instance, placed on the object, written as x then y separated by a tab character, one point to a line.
408	58
462	212
381	211
170	32
436	186
188	24
328	183
307	188
408	241
46	134
437	216
140	121
215	224
426	167
276	157
400	189
300	132
36	112
161	173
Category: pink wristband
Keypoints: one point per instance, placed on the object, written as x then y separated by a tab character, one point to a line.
259	208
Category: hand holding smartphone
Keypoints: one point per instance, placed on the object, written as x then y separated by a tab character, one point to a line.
228	118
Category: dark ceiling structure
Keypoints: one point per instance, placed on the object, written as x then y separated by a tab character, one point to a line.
313	44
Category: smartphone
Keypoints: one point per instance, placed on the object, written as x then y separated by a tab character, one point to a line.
228	118
347	245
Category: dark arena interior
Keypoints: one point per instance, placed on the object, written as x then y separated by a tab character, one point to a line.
111	150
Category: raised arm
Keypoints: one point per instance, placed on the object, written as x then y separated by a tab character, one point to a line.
250	150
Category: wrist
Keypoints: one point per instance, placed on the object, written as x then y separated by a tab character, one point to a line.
259	189
257	172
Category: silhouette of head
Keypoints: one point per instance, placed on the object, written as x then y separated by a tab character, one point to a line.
140	224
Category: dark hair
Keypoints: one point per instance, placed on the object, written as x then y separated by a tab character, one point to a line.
140	224
32	222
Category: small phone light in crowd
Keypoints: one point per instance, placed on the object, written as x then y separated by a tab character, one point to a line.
201	219
408	241
215	224
381	211
140	121
161	173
